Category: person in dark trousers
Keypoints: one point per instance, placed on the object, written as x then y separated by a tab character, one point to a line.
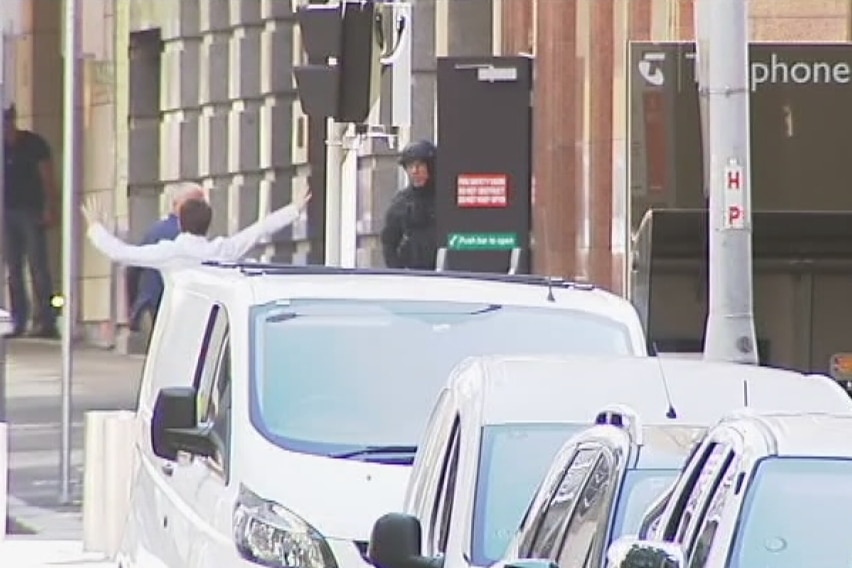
409	238
29	208
145	285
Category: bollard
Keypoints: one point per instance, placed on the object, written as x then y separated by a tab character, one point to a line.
108	478
93	483
4	478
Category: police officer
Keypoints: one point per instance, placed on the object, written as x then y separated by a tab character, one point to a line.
409	238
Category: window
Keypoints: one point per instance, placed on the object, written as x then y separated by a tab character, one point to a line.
512	460
558	511
323	369
582	544
208	358
638	492
213	384
795	513
442	514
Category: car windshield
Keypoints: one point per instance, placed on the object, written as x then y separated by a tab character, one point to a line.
794	514
641	487
513	461
332	377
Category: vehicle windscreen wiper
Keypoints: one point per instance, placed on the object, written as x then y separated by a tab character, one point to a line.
376	451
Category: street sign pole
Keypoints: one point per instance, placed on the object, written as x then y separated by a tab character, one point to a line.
69	173
722	66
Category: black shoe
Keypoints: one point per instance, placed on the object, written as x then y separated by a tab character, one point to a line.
45	333
15	333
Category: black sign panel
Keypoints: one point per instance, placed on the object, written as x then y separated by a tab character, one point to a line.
801	127
484	171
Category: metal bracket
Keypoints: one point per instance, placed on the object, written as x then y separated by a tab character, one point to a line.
514	260
402	28
441	259
489	73
369	132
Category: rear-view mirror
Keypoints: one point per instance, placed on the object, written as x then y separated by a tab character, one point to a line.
630	552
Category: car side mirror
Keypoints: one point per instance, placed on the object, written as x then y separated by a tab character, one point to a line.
630	552
396	543
174	425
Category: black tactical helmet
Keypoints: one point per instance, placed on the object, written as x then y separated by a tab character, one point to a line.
420	151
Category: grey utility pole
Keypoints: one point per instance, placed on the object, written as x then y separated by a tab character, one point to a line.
69	173
722	65
3	104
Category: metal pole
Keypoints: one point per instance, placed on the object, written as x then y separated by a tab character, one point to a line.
3	104
68	178
722	60
349	199
333	162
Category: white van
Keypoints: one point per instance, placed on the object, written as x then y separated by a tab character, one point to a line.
281	407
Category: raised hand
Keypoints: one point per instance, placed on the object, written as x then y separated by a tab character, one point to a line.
301	197
94	211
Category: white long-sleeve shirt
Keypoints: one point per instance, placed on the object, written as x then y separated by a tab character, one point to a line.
188	249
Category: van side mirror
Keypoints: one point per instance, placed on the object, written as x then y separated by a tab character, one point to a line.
396	543
174	425
630	552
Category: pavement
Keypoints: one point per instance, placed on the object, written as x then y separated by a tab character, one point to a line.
101	380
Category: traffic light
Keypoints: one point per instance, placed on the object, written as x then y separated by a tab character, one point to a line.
343	43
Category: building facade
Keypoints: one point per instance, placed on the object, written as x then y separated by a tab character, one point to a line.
202	90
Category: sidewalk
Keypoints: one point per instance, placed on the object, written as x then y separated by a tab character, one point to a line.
25	553
101	380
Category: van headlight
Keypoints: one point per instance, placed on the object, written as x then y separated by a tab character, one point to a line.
268	534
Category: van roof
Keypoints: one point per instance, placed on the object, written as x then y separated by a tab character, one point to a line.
260	284
807	434
568	387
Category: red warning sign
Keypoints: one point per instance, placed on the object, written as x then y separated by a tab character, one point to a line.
482	190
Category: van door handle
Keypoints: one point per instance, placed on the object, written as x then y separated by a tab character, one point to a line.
168	469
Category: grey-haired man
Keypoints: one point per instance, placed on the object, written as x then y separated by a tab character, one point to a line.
145	285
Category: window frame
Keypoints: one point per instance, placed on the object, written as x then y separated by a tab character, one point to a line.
214	359
442	509
683	489
713	514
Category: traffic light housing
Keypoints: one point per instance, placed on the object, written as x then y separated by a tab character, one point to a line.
344	44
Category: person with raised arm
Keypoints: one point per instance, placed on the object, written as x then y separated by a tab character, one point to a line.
191	246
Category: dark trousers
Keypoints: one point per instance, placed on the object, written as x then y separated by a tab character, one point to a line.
25	240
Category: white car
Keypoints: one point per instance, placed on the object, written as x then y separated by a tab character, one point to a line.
500	421
762	489
281	407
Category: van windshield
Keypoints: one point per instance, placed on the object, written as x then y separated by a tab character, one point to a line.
334	377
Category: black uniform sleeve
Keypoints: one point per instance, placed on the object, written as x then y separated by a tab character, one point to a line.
39	148
393	231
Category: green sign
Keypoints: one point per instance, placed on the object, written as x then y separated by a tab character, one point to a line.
482	241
